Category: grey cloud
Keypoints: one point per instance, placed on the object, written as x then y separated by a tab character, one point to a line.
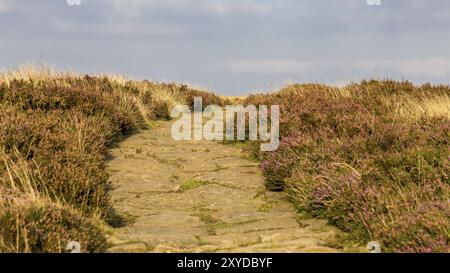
432	68
232	46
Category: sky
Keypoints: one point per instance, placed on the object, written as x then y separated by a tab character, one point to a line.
233	47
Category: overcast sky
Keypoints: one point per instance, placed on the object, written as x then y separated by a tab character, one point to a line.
233	46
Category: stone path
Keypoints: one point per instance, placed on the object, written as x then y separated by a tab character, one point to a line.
201	197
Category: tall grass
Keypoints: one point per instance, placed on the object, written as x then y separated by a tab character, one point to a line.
56	130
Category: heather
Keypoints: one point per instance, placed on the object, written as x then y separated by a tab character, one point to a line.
372	158
56	131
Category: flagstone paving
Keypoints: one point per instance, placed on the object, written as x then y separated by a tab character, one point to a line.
201	196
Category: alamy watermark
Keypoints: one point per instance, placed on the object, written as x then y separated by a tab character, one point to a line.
228	123
374	2
73	2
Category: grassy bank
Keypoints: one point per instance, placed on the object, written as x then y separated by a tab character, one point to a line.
56	130
372	158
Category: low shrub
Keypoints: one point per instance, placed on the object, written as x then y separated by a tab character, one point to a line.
31	224
367	161
56	129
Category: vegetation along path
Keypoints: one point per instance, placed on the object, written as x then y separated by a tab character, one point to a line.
201	197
